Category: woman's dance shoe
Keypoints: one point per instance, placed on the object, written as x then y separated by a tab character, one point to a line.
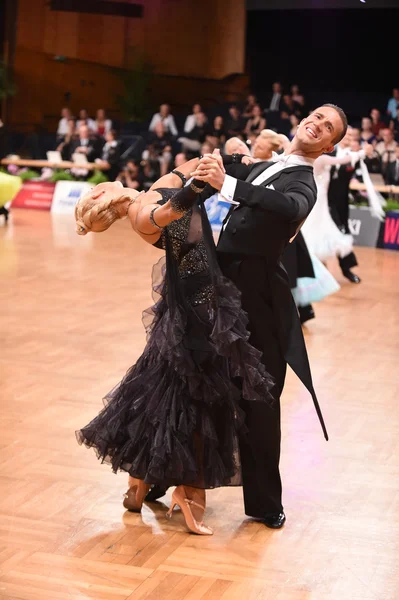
134	497
180	499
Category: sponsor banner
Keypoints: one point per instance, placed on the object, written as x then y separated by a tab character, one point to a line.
363	226
66	195
391	230
34	194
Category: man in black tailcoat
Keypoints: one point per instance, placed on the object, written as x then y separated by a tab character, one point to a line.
268	209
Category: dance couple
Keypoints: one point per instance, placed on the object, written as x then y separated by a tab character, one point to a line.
201	407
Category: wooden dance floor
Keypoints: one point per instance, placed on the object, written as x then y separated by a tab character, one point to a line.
70	325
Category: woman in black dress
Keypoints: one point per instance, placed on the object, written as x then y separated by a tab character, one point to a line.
174	420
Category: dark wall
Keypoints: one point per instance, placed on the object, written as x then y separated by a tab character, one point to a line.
343	56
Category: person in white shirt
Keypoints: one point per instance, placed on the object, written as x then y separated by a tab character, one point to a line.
166	118
63	126
190	122
84	119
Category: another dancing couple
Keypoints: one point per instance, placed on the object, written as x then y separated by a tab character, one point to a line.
201	407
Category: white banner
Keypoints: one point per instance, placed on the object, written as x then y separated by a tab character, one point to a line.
66	195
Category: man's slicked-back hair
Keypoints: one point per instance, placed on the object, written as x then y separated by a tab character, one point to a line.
344	120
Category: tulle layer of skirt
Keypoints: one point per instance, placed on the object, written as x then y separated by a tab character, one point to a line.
175	418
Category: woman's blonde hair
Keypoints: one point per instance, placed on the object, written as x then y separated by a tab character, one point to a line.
97	214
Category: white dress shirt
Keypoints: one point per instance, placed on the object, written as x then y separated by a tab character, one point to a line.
281	161
168	121
62	128
190	123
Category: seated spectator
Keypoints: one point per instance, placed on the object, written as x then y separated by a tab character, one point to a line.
159	139
391	175
83	143
70	134
131	177
294	120
299	100
372	160
165	118
394	126
256	123
366	135
283	124
190	120
393	104
235	125
289	105
192	141
275	98
102	125
247	112
355	134
235	145
84	119
376	122
266	143
110	156
216	134
63	127
386	149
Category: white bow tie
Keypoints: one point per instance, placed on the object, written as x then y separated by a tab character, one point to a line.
280	158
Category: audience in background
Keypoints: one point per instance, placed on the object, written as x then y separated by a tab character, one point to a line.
102	125
83	143
84	119
376	122
391	174
190	120
191	142
294	121
235	124
386	149
164	116
274	100
216	134
110	156
166	145
235	145
131	176
256	122
394	125
249	106
366	135
159	139
63	126
393	104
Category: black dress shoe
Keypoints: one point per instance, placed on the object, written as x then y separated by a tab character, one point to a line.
275	521
155	492
351	276
306	313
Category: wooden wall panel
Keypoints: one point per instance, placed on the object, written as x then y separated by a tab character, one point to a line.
180	38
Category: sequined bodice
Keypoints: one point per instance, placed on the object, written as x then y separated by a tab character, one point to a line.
189	251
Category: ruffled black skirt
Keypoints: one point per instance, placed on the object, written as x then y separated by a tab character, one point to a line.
175	418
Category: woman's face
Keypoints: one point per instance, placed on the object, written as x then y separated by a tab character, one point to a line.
256	111
294	120
218	122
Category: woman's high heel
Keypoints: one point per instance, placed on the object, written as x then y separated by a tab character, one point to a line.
134	497
180	499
